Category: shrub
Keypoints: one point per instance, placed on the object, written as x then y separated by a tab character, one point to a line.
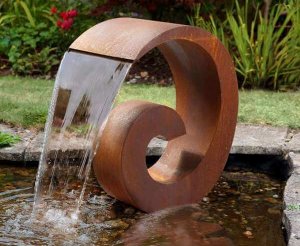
34	34
30	50
265	51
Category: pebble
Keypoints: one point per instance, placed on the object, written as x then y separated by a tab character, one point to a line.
205	199
233	192
132	81
244	221
274	211
129	211
116	224
197	215
271	200
248	234
246	198
144	74
275	196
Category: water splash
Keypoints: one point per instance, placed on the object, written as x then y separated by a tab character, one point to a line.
84	92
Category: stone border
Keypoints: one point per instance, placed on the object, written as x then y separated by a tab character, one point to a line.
248	140
291	198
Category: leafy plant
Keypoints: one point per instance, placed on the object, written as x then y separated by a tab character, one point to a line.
7	139
16	12
24	47
213	25
265	51
34	34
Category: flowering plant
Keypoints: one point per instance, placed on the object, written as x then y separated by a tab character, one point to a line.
65	18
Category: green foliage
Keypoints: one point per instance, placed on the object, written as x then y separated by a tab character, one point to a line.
211	25
265	51
34	118
7	139
30	38
16	12
24	47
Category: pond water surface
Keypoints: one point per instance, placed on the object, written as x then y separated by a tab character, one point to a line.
244	208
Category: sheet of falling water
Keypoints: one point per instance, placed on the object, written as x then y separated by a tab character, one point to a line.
84	92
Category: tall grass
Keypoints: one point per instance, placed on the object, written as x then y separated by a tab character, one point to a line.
265	51
16	12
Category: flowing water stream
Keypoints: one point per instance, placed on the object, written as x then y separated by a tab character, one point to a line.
84	92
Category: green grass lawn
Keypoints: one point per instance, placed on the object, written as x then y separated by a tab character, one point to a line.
24	102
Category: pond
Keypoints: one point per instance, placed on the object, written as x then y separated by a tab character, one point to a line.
244	208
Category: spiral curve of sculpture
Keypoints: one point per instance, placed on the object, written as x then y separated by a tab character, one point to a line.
199	132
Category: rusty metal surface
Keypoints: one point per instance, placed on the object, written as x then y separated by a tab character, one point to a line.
200	131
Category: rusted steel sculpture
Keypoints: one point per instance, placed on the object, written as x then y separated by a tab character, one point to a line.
200	131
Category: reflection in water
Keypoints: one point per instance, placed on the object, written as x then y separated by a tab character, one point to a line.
176	226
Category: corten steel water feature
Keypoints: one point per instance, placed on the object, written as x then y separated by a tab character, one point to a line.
199	132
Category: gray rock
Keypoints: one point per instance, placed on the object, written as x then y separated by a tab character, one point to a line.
156	147
248	139
291	218
73	147
257	139
34	148
295	161
293	230
14	153
294	144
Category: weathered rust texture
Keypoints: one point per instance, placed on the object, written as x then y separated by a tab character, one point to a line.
200	131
